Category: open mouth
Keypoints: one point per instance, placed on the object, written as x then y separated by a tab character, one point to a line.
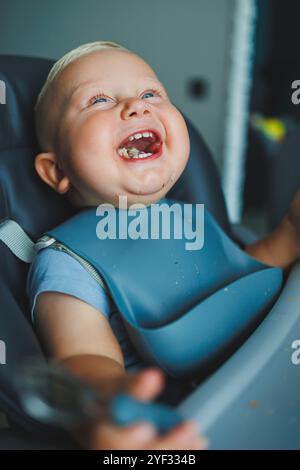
142	145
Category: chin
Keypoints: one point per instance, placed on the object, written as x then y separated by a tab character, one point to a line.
150	197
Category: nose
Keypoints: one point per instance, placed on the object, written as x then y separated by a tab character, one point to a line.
135	107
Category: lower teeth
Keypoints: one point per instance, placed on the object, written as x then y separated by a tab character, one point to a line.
132	152
141	155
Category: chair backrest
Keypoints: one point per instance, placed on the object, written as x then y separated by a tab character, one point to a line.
27	200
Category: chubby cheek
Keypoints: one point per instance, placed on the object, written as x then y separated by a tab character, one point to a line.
91	151
177	139
94	136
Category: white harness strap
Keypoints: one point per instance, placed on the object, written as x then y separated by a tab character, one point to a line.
17	240
25	249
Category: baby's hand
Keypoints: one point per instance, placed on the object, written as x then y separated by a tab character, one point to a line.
144	436
293	213
144	386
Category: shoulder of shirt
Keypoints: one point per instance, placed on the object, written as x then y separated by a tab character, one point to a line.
52	253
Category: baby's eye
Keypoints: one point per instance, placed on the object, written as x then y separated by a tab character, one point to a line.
97	99
152	92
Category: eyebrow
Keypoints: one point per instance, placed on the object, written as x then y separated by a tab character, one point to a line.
85	84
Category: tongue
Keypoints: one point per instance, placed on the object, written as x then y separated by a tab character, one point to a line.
141	145
154	147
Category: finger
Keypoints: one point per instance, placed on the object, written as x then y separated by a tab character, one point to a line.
133	437
147	384
183	437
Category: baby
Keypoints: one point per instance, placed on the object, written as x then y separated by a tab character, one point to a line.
94	98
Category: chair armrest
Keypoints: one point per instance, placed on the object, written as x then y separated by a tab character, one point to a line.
252	400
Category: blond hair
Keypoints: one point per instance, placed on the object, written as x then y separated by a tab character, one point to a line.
41	107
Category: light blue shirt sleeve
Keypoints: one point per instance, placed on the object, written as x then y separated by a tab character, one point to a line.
54	270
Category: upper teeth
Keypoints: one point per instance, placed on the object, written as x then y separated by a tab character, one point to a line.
132	152
139	136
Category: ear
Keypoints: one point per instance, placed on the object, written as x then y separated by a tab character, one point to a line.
50	172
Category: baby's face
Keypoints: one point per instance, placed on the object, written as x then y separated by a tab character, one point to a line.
110	96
